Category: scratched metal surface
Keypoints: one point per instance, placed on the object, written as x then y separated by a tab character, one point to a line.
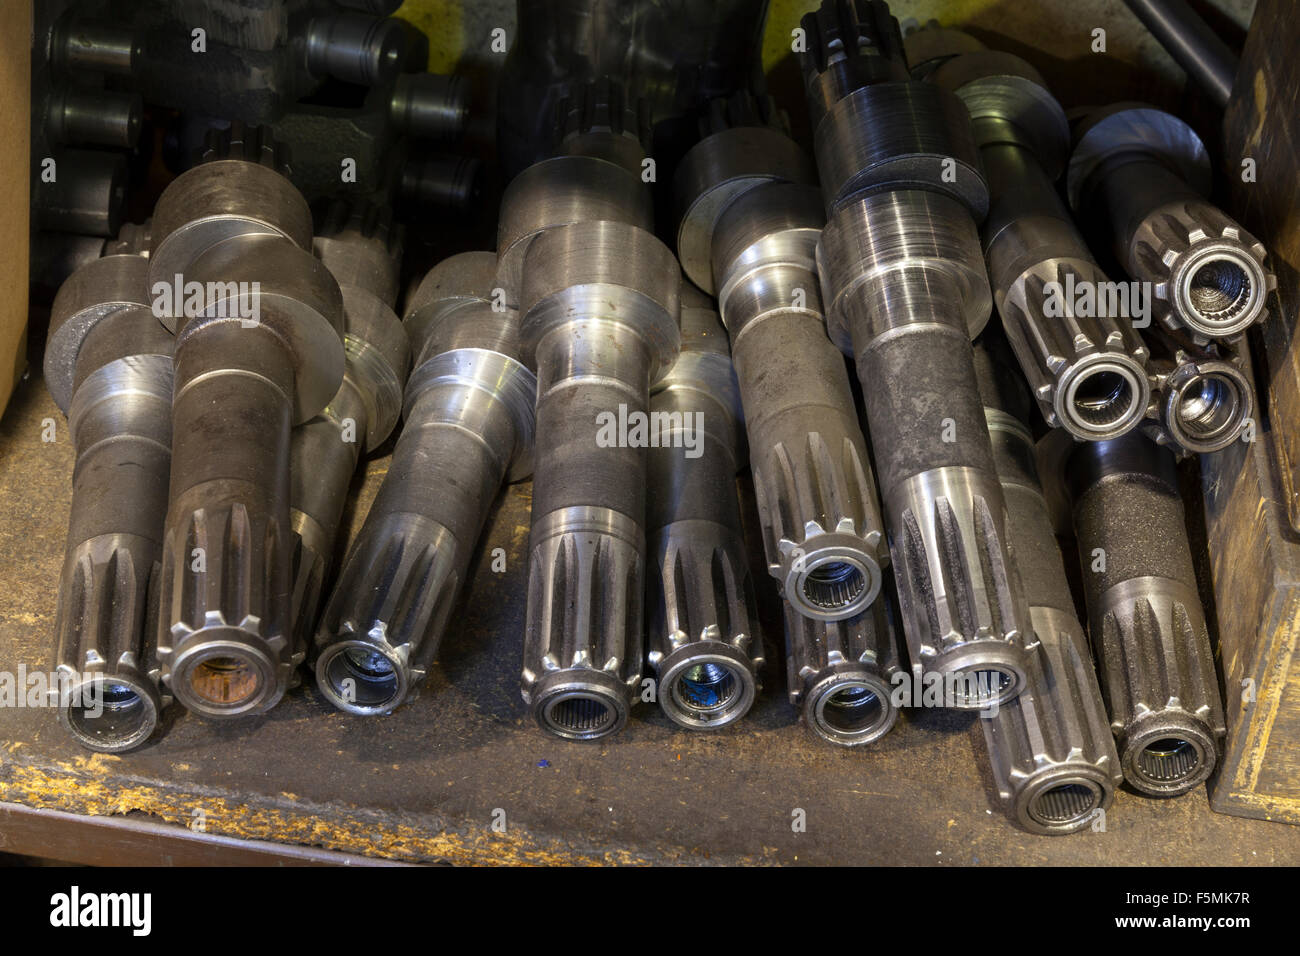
424	783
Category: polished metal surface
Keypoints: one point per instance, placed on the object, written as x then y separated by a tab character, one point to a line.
469	424
259	351
1192	43
108	366
1139	177
1145	617
704	643
1202	399
818	506
600	321
842	674
1051	751
1085	365
361	249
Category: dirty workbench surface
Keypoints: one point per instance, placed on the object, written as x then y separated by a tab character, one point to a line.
427	783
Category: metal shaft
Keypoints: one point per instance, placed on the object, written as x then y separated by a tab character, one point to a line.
841	673
600	320
1146	620
750	219
1192	43
905	288
108	365
704	642
1138	177
1085	363
1051	750
362	253
468	427
258	350
1202	398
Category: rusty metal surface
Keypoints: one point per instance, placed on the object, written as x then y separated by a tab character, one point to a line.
427	783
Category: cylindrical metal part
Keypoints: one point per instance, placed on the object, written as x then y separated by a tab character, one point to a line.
469	427
1192	43
905	289
1144	614
355	48
108	365
600	319
324	450
1079	350
1138	176
841	674
94	117
444	182
94	45
822	530
430	105
1202	401
1051	750
86	195
704	642
258	322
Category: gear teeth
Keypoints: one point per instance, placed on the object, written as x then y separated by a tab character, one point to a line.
395	595
845	29
252	144
708	594
841	673
584	626
1054	349
954	556
807	492
742	109
1156	662
601	106
1051	751
344	218
1164	248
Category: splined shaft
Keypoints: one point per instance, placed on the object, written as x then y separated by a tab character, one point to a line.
1051	750
704	642
1146	620
108	364
600	320
841	674
747	198
1085	362
1138	177
361	250
1202	399
905	288
258	323
469	428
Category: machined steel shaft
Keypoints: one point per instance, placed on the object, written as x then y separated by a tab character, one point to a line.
258	323
600	321
108	365
1086	366
468	428
361	250
747	197
1202	400
905	288
1139	177
1051	750
704	642
1145	617
841	674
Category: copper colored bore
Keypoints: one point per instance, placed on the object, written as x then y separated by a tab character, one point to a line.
224	680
